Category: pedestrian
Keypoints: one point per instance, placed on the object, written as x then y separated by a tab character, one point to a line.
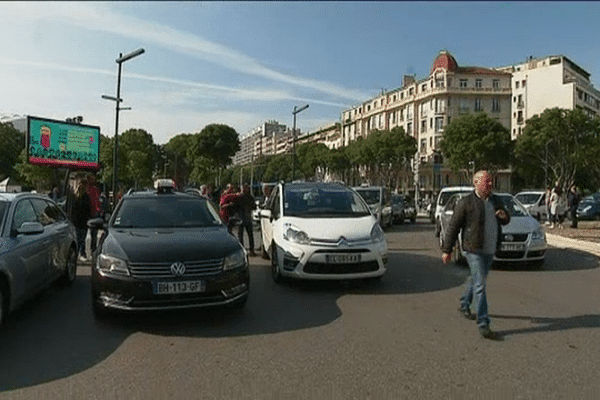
557	208
478	216
80	210
573	202
547	202
246	205
229	205
55	194
96	208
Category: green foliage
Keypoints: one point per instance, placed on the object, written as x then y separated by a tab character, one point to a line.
216	142
37	176
561	143
479	138
136	158
13	142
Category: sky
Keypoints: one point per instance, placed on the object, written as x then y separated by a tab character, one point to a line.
245	63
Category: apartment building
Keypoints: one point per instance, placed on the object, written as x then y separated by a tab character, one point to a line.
269	138
330	136
548	82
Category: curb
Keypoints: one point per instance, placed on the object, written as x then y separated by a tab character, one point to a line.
563	242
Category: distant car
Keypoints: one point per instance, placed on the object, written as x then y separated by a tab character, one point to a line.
379	201
523	238
316	230
166	250
410	211
38	246
534	201
441	201
403	209
589	207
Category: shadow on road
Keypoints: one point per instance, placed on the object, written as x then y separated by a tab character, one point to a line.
557	260
550	324
56	335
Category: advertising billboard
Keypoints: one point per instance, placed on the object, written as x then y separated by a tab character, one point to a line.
56	144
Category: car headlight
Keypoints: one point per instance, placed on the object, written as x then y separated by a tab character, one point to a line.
295	235
112	265
538	234
377	235
234	260
586	208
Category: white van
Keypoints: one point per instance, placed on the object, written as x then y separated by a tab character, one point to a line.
442	199
534	201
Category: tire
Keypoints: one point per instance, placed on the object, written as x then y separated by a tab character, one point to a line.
275	272
70	273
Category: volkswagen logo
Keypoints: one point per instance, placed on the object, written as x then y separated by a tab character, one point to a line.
178	269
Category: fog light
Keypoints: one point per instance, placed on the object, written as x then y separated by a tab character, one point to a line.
235	290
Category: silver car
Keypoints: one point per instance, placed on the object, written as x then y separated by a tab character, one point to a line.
523	238
38	247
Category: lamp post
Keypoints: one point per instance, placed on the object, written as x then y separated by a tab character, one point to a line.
122	58
296	111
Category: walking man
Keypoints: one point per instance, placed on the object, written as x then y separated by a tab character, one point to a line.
477	218
246	205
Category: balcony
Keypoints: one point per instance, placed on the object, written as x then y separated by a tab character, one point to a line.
520	105
520	121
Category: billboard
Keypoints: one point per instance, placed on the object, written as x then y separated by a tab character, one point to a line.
56	144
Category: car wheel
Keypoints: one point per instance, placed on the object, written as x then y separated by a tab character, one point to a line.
70	268
275	271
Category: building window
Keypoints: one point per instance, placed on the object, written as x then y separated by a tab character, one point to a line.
449	120
431	122
423	87
495	104
401	95
478	105
464	106
516	84
478	83
410	91
523	83
423	145
496	83
409	128
424	125
439	124
463	83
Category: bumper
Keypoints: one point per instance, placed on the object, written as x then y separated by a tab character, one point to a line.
532	251
133	294
314	263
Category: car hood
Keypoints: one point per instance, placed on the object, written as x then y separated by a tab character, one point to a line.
166	245
333	228
525	224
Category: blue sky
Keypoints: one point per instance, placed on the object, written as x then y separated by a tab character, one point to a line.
243	63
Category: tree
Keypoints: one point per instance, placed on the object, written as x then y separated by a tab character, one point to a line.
478	138
218	143
136	158
560	144
13	142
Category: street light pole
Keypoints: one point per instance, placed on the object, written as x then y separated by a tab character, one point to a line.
122	58
296	111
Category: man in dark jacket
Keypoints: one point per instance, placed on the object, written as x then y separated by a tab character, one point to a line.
573	198
246	205
478	216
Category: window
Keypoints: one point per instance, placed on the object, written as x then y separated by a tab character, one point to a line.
423	145
23	213
495	104
423	87
478	83
393	118
478	105
449	120
463	83
424	125
516	84
410	91
464	106
523	83
409	128
496	83
431	122
439	124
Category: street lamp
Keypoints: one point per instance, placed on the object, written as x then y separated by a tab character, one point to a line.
122	58
296	111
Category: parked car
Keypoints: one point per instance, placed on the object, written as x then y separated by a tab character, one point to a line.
38	247
379	201
316	230
164	249
523	238
534	201
589	207
403	209
410	210
441	201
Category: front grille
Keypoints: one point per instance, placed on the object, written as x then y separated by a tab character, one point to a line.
333	251
322	268
510	254
193	269
516	237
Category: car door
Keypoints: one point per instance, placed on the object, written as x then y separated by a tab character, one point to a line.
267	219
29	252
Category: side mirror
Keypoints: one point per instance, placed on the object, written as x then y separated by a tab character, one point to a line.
30	228
96	223
265	214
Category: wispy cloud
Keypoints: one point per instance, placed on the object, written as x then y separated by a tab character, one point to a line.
99	17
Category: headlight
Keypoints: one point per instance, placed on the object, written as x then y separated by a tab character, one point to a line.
538	234
587	208
295	235
112	265
234	260
377	235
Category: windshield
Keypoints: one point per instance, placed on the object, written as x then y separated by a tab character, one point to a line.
166	212
444	196
528	198
371	196
591	199
397	200
325	202
514	208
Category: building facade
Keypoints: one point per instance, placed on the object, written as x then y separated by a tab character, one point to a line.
267	139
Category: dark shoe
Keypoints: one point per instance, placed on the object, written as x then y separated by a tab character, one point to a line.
252	254
487	333
467	314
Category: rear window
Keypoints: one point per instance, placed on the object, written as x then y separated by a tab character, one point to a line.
371	196
528	198
444	196
166	212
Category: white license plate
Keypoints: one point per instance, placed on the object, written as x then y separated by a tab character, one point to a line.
342	258
512	247
179	287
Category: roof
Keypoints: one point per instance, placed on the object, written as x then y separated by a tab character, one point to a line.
444	60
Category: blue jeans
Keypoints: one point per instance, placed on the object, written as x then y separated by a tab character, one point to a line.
479	264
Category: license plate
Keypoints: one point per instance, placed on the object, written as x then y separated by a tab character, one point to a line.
342	258
179	287
512	247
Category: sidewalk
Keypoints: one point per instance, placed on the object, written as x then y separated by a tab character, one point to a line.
585	238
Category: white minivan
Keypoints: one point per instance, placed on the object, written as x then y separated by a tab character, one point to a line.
442	199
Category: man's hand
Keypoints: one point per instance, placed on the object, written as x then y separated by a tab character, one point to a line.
446	258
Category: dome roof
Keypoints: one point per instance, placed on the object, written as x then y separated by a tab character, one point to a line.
444	60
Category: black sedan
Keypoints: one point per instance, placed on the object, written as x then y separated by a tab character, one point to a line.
167	250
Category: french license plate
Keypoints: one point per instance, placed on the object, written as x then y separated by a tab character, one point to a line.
512	247
342	258
179	287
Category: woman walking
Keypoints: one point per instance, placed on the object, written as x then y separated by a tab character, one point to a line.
81	212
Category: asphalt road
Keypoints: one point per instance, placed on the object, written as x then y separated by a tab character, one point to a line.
400	339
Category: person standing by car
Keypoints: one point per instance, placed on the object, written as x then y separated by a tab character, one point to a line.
246	205
557	207
479	216
81	211
573	199
96	208
229	205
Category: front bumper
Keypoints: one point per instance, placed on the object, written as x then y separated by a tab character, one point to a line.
523	251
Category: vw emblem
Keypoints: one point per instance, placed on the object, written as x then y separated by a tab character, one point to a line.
178	269
509	238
